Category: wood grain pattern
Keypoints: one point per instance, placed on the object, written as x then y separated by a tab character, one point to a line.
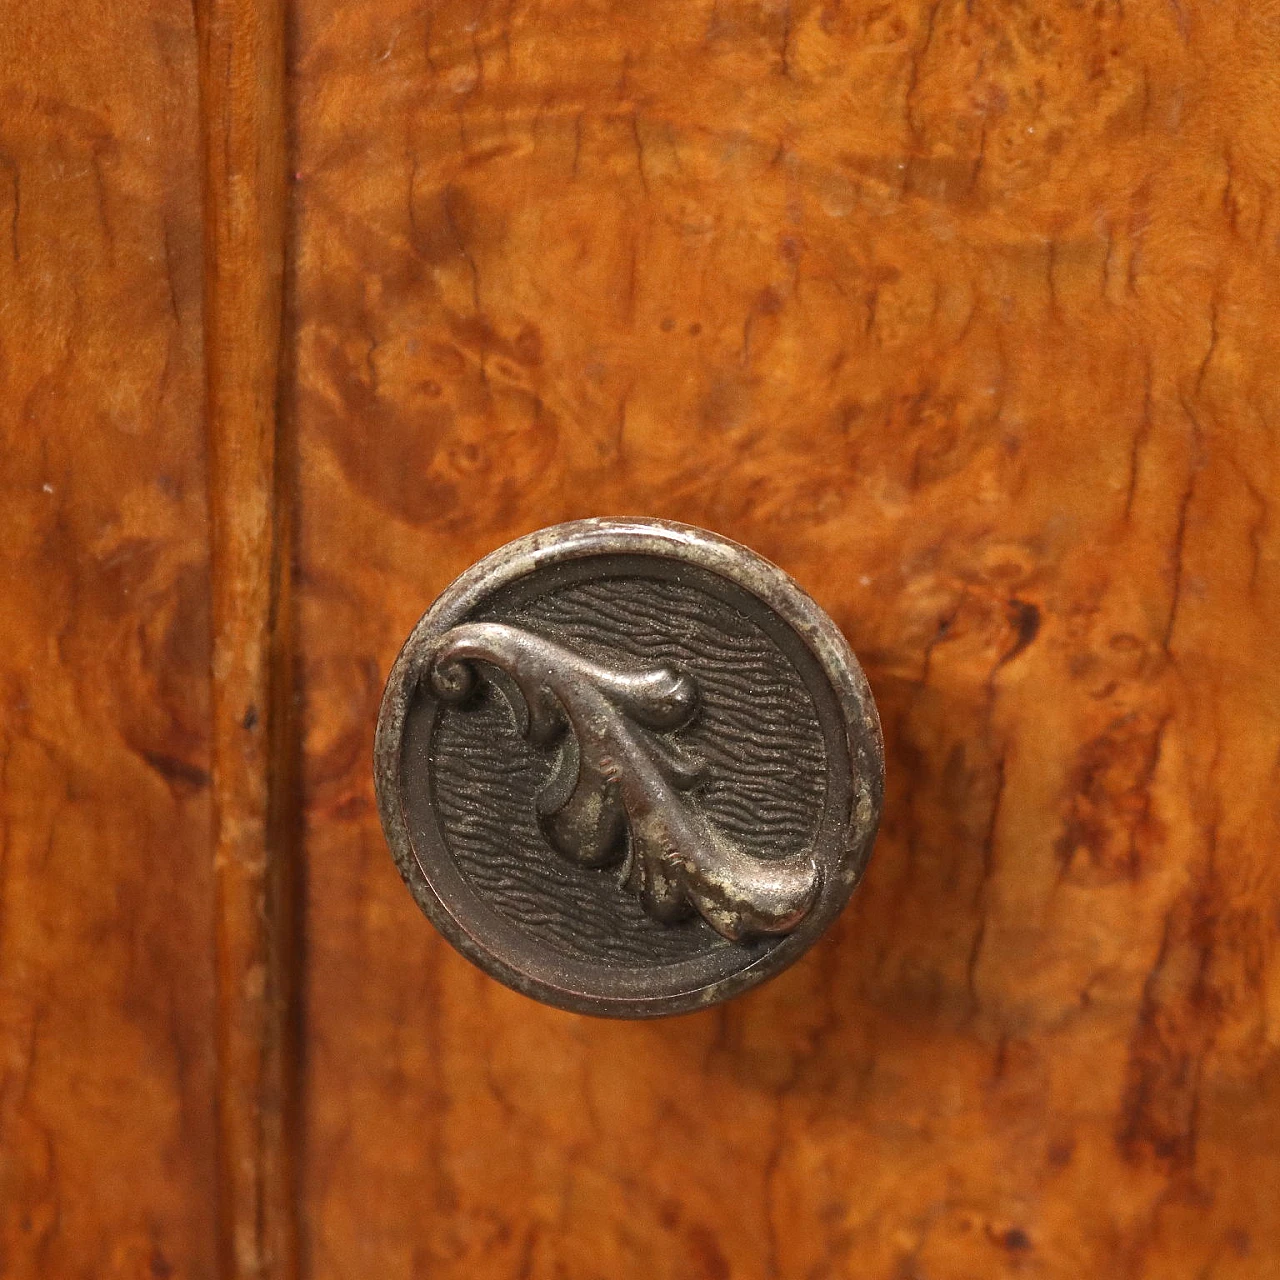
966	315
242	111
106	974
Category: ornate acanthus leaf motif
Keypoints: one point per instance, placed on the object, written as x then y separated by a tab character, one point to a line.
615	793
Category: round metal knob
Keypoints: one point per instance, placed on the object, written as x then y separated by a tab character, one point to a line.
628	767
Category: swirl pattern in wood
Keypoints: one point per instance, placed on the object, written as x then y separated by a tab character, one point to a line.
966	315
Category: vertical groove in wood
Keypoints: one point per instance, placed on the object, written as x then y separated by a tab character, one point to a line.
243	113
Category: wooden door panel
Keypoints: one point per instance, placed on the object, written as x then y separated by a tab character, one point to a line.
106	966
964	315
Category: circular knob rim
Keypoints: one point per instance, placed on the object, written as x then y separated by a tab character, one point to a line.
846	842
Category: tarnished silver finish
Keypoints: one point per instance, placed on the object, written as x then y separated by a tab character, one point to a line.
628	767
615	797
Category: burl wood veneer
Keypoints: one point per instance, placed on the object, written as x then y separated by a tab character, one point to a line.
967	316
106	907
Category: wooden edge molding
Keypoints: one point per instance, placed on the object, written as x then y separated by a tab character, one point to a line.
242	104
